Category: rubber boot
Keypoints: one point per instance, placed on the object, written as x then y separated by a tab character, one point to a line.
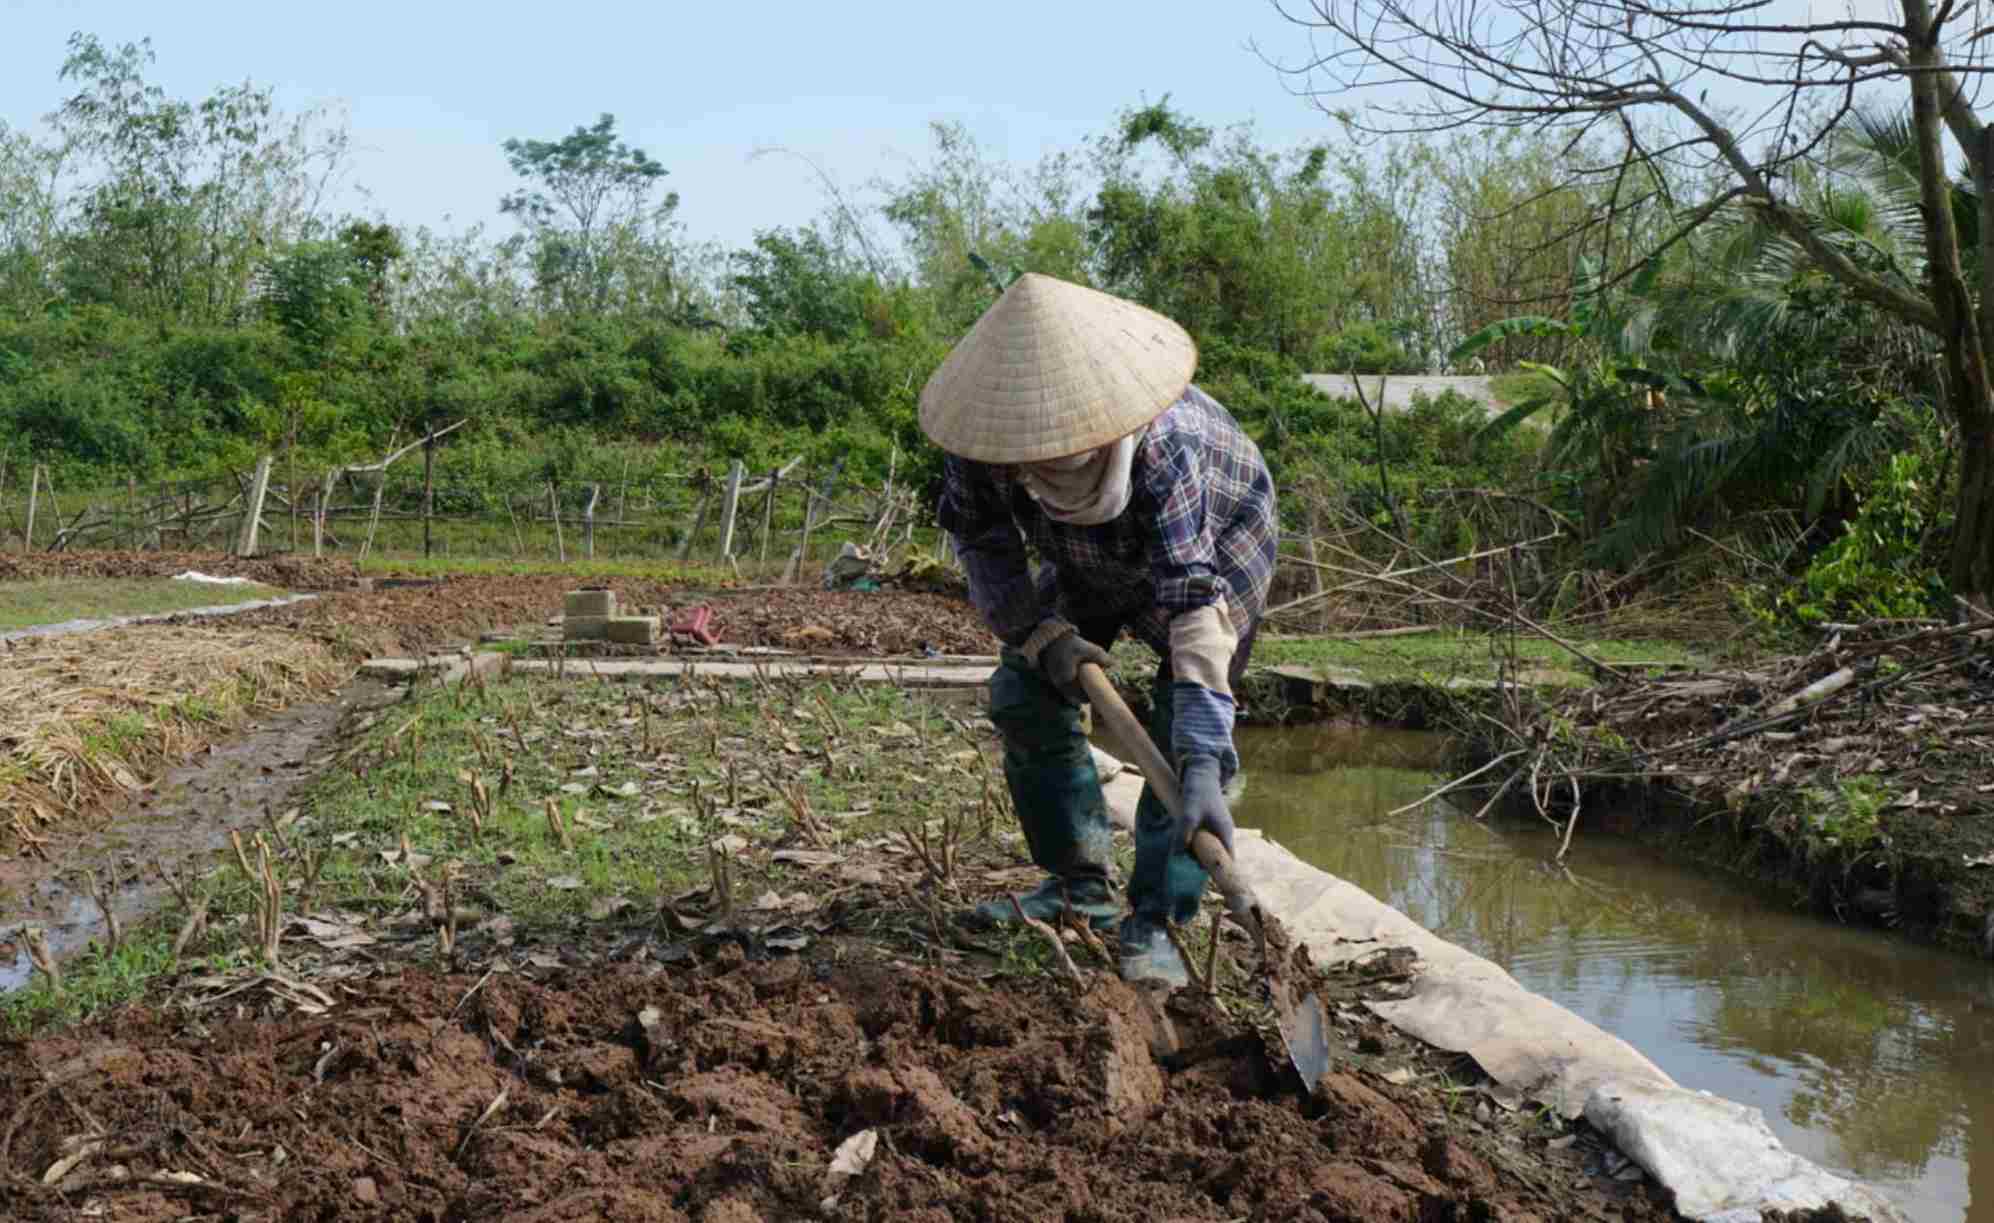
1148	957
1049	770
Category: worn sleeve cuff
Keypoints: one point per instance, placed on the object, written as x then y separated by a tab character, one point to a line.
1201	725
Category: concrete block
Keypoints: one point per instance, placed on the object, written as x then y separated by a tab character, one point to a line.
390	670
585	628
632	630
581	603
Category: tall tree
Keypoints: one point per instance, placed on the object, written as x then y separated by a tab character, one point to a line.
31	217
183	200
585	192
1646	74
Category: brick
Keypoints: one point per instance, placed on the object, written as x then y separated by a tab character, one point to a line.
633	630
585	628
580	603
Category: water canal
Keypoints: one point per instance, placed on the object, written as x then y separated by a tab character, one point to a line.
1867	1054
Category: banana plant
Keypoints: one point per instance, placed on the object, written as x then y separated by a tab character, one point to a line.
1607	424
1622	332
999	281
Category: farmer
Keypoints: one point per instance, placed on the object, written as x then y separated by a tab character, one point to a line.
1072	430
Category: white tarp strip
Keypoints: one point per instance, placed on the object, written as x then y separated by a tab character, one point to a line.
86	626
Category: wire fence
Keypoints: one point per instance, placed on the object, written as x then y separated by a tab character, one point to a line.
783	515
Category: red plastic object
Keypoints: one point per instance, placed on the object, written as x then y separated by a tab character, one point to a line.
696	623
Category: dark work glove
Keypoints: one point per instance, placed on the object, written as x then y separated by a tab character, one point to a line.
1060	664
1202	803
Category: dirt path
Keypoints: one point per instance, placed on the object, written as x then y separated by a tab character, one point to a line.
719	1089
186	814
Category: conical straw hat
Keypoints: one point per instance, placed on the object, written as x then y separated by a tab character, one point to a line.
1054	369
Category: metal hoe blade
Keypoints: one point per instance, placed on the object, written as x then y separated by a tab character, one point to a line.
1305	1031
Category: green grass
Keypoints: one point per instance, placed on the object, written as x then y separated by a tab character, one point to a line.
870	761
54	600
1443	655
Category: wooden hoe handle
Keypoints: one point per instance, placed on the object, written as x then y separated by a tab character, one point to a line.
1162	779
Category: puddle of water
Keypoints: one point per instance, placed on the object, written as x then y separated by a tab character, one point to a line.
1867	1054
187	815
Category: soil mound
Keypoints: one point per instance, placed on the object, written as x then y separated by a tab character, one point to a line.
723	1091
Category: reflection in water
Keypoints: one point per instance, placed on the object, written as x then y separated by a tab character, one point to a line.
1867	1054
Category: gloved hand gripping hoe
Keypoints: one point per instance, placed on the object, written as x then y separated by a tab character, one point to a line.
1304	1027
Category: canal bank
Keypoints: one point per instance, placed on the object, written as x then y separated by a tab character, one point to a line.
1856	782
1862	1052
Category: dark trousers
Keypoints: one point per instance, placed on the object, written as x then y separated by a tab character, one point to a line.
1057	793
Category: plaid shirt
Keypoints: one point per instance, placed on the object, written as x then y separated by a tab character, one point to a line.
1200	513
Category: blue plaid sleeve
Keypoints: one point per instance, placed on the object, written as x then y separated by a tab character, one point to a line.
1184	564
1183	559
1201	725
975	512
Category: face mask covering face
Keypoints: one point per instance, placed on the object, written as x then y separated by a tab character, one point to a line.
1083	489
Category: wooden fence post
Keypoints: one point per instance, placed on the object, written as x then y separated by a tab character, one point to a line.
252	515
34	494
428	488
1315	574
322	496
801	557
768	510
554	509
729	505
810	499
588	520
698	523
374	519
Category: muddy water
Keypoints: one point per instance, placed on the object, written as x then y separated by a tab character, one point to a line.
181	821
1867	1055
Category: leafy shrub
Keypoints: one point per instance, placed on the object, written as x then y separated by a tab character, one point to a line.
1881	567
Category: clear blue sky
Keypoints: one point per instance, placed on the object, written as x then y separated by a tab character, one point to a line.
432	88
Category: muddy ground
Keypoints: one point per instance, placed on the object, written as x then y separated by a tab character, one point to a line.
718	1088
634	1064
404	616
291	572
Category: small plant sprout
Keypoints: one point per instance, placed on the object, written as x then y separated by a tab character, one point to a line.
196	906
481	803
1051	936
718	861
938	853
557	825
807	822
268	897
114	931
39	955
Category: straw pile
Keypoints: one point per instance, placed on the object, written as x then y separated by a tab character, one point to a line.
88	715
